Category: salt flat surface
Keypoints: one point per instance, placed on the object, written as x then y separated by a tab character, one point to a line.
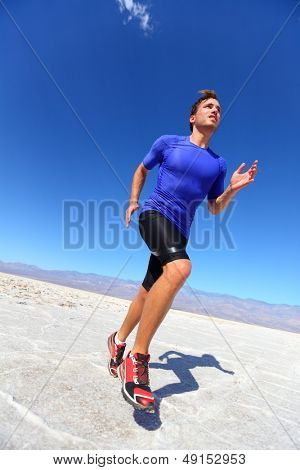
219	385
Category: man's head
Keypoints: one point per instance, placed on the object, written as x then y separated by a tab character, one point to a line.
206	111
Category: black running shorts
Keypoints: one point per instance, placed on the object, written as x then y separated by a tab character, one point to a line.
164	240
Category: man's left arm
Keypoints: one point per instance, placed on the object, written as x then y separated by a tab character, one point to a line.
238	181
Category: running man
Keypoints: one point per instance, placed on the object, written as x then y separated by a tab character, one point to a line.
188	172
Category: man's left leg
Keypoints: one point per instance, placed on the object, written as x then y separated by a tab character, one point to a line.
159	301
134	370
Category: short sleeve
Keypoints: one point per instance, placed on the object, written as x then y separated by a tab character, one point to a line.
217	187
155	154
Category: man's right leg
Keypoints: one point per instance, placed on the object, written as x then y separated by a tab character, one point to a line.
134	314
116	341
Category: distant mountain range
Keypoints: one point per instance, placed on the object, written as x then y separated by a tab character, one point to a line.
282	317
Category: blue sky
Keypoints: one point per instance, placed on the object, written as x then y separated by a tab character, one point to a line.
125	73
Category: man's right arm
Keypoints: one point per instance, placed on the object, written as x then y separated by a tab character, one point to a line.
138	181
153	157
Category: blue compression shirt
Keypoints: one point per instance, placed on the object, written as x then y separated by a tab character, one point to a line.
187	174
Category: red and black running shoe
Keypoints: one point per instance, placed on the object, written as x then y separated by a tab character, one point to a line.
134	375
115	354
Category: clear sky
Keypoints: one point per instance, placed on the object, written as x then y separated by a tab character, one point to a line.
126	72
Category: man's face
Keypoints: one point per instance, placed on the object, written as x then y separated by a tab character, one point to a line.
208	114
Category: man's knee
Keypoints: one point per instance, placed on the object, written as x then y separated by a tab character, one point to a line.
142	293
178	270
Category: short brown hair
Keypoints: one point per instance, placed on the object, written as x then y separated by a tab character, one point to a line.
205	95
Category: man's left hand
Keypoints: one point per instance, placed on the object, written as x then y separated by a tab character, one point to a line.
239	180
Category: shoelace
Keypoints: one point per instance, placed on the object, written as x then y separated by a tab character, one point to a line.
142	372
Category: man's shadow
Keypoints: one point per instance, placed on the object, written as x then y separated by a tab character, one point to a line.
181	366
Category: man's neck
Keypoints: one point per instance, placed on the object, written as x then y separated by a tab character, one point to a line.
200	138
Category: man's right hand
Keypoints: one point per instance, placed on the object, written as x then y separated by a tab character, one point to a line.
133	206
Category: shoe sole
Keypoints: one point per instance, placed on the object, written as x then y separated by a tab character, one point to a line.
148	409
109	358
138	406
